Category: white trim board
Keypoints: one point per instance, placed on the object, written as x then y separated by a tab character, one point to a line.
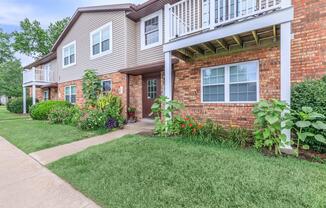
275	18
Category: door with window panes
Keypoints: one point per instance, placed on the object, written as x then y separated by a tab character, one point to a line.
151	90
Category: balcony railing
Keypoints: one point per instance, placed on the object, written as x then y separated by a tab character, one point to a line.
190	16
38	75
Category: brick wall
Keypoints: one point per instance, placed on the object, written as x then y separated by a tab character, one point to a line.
119	87
309	43
135	94
188	90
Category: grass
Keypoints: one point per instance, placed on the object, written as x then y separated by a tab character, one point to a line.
142	172
5	115
30	135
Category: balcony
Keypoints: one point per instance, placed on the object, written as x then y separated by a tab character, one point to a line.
38	77
194	16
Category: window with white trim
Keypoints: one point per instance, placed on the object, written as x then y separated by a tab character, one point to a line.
69	54
70	94
46	95
232	83
151	89
151	30
101	41
106	86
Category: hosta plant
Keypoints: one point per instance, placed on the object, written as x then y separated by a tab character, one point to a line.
268	124
304	123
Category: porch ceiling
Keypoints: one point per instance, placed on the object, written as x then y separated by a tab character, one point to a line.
240	42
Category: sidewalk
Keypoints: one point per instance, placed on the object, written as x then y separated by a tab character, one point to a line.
47	156
26	183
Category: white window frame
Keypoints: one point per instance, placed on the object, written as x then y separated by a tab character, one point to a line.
109	24
158	14
47	92
107	80
70	86
63	54
227	83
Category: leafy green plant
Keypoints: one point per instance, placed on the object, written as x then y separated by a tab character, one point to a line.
311	93
41	111
15	105
240	136
305	123
268	124
91	87
62	114
212	131
92	119
111	106
164	108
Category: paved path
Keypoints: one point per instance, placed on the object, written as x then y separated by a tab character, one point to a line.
26	183
47	156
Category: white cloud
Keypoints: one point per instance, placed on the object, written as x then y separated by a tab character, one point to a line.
12	14
25	60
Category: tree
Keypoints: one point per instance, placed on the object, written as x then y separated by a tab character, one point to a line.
35	41
91	87
55	29
6	52
11	78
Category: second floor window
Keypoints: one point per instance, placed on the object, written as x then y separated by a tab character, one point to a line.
151	30
101	41
70	94
69	54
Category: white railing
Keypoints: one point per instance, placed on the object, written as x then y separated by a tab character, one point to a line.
191	16
38	75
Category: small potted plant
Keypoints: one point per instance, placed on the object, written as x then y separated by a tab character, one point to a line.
132	114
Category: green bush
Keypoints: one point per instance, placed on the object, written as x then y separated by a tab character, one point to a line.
111	106
62	114
15	105
240	136
311	93
92	119
211	130
41	110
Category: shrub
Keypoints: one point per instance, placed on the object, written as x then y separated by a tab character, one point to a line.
62	114
41	110
15	105
311	93
304	123
268	124
92	119
212	131
111	106
240	136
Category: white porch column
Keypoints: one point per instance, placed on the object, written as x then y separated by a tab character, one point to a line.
24	100
168	75
286	69
34	94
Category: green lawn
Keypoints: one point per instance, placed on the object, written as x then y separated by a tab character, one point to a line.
143	172
5	115
31	136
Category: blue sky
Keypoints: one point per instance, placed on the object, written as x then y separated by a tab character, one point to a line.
45	11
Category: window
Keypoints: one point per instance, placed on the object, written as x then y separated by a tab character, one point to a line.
151	89
101	41
231	83
106	85
69	54
46	95
70	94
151	30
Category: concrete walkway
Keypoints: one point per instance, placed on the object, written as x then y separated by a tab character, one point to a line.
26	183
47	156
